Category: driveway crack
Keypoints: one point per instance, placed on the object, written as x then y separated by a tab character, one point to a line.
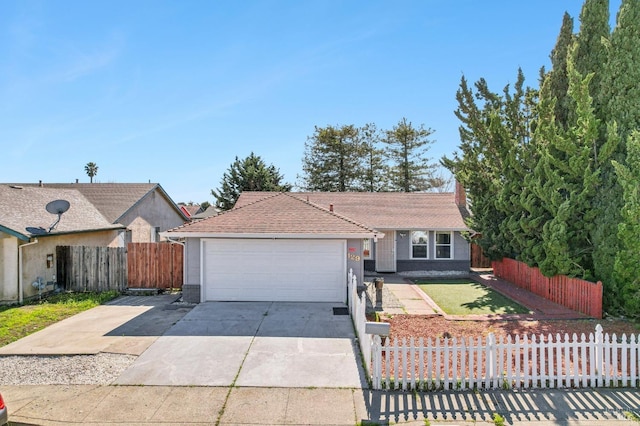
235	379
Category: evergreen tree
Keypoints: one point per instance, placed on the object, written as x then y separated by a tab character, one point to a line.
558	80
332	159
627	261
493	160
590	55
407	147
570	181
248	174
374	177
620	102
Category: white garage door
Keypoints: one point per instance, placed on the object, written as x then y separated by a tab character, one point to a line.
274	270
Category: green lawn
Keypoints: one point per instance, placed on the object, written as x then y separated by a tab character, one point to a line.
465	297
19	321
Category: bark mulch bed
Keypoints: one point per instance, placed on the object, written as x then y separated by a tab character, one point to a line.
436	326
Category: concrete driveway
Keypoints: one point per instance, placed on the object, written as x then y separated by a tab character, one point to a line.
257	344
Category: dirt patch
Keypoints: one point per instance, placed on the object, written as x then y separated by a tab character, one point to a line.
406	326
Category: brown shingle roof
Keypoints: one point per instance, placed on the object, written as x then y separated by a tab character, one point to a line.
276	214
22	210
386	210
113	200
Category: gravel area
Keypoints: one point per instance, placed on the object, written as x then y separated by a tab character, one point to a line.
100	369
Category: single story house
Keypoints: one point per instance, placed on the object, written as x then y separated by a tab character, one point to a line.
29	235
422	231
145	209
277	248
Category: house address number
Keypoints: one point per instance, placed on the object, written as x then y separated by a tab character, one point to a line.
353	257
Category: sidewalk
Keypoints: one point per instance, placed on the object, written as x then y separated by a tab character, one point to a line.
142	405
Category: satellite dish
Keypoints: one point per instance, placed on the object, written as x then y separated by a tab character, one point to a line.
57	207
36	231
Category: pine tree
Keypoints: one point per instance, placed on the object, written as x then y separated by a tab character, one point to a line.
406	148
332	159
375	172
248	174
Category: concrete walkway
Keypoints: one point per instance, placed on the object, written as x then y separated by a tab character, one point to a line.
143	405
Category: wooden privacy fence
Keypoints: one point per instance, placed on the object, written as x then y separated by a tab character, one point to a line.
538	362
574	293
155	265
80	268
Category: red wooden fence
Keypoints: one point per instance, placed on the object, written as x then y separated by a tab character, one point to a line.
574	293
155	265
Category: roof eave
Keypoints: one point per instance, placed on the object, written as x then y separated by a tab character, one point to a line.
271	236
82	231
14	233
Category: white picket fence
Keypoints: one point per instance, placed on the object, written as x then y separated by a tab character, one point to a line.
597	360
536	362
357	309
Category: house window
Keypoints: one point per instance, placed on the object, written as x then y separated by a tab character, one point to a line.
419	244
366	248
443	245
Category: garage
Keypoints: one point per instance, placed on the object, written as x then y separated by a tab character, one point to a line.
278	248
291	270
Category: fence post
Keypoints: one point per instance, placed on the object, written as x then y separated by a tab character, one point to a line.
599	349
491	357
376	351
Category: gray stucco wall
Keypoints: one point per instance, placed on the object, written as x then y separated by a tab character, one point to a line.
153	211
354	259
459	262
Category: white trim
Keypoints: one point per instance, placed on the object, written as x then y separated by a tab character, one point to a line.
411	244
435	245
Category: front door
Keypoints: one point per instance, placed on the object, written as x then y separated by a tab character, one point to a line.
386	252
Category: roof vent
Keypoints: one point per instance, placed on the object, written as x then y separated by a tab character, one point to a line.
330	207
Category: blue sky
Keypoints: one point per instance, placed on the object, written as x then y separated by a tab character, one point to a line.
173	91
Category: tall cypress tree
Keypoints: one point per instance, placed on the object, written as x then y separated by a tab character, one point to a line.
620	102
590	55
558	80
627	261
493	159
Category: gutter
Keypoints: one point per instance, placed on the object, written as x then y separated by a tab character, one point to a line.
20	283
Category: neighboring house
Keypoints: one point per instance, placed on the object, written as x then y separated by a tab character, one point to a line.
422	231
145	209
29	235
210	211
190	210
277	248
